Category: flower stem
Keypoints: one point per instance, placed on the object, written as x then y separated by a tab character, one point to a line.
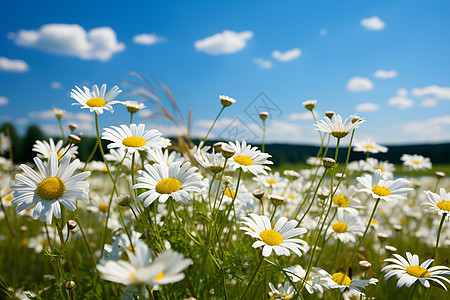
253	277
264	135
436	252
204	140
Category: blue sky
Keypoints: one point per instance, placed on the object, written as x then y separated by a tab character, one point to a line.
385	60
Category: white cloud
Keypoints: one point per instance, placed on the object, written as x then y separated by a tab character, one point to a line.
148	39
279	131
323	32
385	74
359	84
21	121
434	129
221	123
432	91
301	116
224	42
48	114
288	55
429	102
373	23
145	113
13	65
401	102
4	100
402	92
263	63
55	85
71	40
367	107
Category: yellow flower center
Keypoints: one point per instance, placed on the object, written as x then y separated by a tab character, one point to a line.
418	272
270	181
271	237
51	188
96	102
229	193
416	162
369	147
380	168
341	278
341	201
291	196
160	276
103	208
381	191
133	141
132	276
8	199
281	296
340	227
339	134
444	205
168	186
243	160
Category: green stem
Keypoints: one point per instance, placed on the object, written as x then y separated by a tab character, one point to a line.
436	252
62	130
413	290
314	195
204	140
264	135
253	277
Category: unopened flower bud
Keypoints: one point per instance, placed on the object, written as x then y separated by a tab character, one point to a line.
291	174
227	151
276	199
124	200
439	174
80	135
72	127
71	224
134	106
226	101
70	285
390	249
59	113
328	162
218	147
398	227
74	139
258	194
382	237
263	115
365	265
329	114
309	104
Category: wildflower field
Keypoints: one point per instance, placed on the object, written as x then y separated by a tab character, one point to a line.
161	218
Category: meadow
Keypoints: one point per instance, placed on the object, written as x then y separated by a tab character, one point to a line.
173	219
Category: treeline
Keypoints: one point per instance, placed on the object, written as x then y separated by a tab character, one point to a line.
281	153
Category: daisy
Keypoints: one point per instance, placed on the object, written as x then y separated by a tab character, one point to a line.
213	162
368	146
342	282
384	189
344	199
159	156
96	100
52	186
346	227
318	281
134	138
277	238
44	148
416	162
134	106
387	169
248	158
121	243
162	182
5	143
409	271
285	292
309	104
272	180
439	203
226	101
336	127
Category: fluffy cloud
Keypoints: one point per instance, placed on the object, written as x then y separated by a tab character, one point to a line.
71	40
13	65
373	23
68	116
385	74
224	42
3	100
429	102
302	116
432	91
55	85
359	84
434	129
401	102
402	92
288	55
263	63
145	113
148	39
366	107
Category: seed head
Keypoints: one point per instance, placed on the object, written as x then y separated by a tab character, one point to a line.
71	224
263	115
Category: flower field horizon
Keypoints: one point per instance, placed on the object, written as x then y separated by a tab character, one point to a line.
159	218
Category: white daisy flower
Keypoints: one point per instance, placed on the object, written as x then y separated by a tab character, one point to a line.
368	146
159	156
272	180
168	267
416	162
162	182
342	282
44	148
439	203
336	127
96	100
384	189
248	158
409	271
277	238
285	292
134	138
134	106
346	227
387	169
318	281
52	186
213	162
226	101
121	243
309	104
345	200
5	143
